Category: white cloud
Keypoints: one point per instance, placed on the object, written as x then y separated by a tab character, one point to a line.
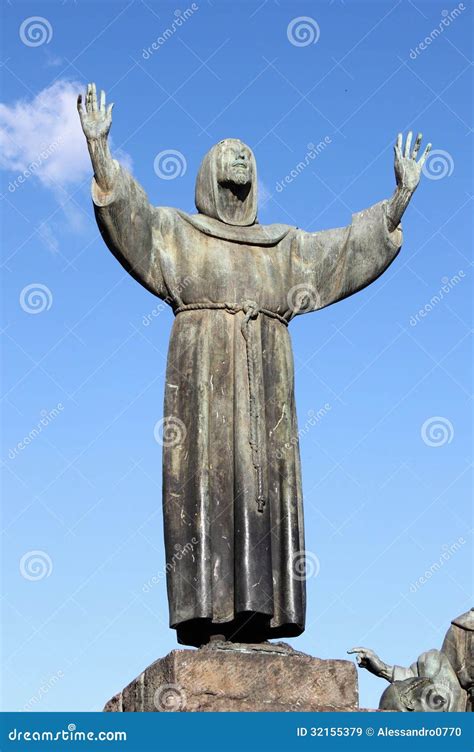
42	137
46	234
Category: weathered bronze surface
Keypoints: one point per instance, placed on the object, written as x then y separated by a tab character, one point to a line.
438	681
232	496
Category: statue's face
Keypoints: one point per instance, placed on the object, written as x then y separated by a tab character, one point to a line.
234	163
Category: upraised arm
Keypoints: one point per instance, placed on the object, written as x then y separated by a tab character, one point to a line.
124	215
333	264
96	120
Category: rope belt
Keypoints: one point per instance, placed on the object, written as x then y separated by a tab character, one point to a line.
251	310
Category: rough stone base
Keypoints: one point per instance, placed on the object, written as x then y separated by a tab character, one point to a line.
240	677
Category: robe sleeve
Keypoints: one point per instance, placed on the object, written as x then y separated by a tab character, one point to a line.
130	226
429	664
458	648
432	663
331	265
400	673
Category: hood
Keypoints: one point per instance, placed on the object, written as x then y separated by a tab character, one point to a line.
211	197
255	235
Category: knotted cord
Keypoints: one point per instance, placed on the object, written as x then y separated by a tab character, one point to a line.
251	311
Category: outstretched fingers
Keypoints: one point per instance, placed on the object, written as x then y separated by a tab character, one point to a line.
408	144
424	155
94	98
89	98
102	101
362	655
398	145
417	145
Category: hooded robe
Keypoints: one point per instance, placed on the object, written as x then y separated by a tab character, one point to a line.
232	497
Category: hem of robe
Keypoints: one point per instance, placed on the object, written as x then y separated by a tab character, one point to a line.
247	626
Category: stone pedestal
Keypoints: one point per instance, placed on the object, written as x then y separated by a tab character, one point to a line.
240	677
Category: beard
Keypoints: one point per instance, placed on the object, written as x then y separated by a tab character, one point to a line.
237	176
240	177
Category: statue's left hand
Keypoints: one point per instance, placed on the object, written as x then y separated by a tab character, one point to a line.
407	169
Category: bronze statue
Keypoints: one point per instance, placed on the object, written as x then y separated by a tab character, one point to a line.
231	466
439	680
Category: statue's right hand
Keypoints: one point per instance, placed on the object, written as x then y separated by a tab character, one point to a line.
366	658
96	118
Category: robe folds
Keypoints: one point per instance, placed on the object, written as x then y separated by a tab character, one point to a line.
450	669
458	646
435	665
232	498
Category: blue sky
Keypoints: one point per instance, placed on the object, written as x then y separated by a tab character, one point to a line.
386	470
